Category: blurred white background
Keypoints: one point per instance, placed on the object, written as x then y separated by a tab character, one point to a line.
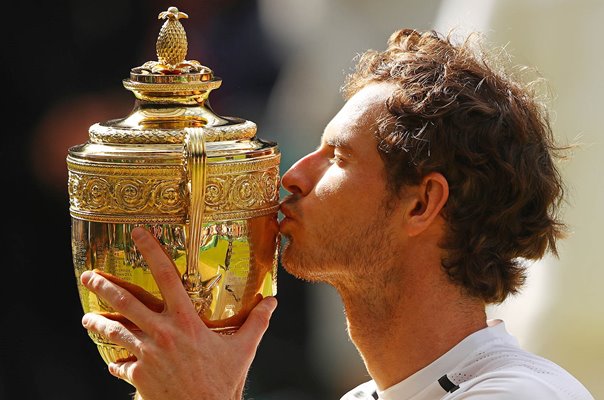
559	313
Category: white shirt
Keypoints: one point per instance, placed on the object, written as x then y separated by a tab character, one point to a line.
487	364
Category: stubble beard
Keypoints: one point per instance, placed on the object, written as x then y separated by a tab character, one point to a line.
343	257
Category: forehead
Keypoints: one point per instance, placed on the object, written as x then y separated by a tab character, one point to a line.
359	113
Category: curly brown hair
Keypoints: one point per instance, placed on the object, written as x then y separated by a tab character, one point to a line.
488	135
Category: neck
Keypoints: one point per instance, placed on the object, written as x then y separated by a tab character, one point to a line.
402	325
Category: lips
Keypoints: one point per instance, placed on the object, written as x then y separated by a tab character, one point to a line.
288	216
285	210
286	206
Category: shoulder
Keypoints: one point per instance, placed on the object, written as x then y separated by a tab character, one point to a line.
517	374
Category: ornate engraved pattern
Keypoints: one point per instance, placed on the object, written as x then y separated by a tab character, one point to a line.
129	193
227	193
107	194
105	134
172	87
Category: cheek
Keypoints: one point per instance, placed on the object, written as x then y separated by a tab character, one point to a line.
331	185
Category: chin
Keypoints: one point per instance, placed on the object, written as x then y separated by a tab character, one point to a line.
301	265
289	260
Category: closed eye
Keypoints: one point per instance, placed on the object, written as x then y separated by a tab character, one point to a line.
335	159
338	157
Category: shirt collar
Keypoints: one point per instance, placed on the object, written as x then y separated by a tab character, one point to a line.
430	374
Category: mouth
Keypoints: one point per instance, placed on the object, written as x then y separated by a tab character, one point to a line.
286	210
286	206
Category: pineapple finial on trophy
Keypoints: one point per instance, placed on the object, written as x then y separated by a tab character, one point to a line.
171	43
171	47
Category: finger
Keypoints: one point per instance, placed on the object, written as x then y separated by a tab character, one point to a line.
257	321
163	269
113	331
122	370
152	302
119	299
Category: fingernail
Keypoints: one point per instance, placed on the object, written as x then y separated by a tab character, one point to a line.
85	277
270	303
137	233
85	320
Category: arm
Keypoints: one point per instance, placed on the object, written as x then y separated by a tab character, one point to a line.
176	355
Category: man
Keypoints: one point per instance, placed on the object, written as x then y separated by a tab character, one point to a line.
430	188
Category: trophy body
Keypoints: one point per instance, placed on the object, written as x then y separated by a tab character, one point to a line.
205	185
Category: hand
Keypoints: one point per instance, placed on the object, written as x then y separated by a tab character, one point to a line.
176	355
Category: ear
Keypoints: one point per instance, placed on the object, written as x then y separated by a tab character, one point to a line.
430	197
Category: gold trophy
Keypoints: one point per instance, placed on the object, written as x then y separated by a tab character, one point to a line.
203	184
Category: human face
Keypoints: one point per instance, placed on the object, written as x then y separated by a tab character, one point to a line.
335	218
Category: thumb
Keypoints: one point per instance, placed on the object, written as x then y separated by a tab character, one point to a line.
257	321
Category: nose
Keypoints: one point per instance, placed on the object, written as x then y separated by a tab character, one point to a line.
303	175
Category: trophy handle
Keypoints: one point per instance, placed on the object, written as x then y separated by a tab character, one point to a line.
195	158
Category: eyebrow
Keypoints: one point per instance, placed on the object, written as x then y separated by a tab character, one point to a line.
338	142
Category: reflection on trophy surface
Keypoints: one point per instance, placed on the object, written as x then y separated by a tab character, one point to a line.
203	184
